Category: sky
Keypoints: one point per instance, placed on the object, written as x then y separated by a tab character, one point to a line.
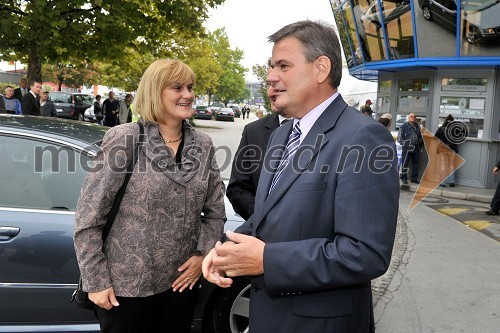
248	23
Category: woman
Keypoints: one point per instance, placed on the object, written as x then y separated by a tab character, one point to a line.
145	279
446	155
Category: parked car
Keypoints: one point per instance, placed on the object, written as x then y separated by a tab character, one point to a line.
236	110
224	114
44	162
71	105
480	18
391	12
202	112
89	114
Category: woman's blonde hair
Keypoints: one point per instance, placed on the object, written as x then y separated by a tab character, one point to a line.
160	74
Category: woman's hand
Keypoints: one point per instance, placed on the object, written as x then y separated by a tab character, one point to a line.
105	299
191	272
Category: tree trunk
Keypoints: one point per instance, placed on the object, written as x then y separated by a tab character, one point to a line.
34	64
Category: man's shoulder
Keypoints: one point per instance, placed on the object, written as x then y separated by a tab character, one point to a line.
270	121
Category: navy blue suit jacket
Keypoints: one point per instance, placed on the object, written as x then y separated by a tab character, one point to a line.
329	226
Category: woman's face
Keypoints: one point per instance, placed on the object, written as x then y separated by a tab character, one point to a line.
177	100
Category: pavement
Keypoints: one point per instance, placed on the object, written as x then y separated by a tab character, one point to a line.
444	272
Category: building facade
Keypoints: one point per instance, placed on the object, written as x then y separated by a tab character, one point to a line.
433	58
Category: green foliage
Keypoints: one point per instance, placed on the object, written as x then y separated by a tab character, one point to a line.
56	31
261	72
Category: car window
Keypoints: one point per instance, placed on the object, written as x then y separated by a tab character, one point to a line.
58	97
40	175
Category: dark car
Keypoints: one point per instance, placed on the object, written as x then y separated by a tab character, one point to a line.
202	112
71	105
480	18
391	12
224	114
236	110
44	162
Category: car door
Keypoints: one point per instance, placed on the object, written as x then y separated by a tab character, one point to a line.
40	183
445	11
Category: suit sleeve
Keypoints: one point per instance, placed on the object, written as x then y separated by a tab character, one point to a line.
241	189
364	210
27	105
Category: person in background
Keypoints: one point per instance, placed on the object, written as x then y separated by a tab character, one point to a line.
110	110
98	110
11	104
47	108
495	201
410	138
30	103
125	113
22	89
146	277
314	242
247	163
446	155
367	108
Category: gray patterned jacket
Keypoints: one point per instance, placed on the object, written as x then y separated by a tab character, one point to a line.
167	213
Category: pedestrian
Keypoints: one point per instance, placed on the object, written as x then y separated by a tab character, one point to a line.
446	150
146	277
22	89
366	109
495	201
125	112
110	110
30	103
11	104
47	108
98	110
317	236
247	163
410	138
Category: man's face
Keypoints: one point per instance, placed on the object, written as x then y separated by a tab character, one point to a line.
412	118
128	99
111	95
293	87
23	83
9	92
36	87
44	96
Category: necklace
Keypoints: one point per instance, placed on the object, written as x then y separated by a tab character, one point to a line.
173	141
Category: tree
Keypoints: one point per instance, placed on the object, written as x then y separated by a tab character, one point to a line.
261	72
232	81
54	31
74	75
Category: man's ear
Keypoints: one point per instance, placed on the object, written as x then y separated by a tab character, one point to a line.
322	67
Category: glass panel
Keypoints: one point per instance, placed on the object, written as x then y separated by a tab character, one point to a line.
436	18
464	84
481	28
351	30
368	22
385	86
413	104
398	22
402	118
462	106
475	126
413	84
384	104
344	39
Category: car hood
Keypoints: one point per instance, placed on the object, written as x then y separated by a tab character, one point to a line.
485	18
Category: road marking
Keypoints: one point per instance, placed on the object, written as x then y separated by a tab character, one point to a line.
477	224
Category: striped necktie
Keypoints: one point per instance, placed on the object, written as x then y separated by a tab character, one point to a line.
290	149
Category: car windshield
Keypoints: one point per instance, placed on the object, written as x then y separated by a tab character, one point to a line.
59	97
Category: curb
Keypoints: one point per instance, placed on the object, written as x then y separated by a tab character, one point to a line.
451	194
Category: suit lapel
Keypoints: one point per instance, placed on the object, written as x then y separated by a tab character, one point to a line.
309	148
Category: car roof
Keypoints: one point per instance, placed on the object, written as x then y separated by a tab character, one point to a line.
78	133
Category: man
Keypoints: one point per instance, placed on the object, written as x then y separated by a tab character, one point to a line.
495	201
110	110
47	108
410	138
98	109
125	113
324	224
247	163
367	108
22	90
11	104
31	103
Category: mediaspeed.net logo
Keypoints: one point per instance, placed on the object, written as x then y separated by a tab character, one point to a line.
442	160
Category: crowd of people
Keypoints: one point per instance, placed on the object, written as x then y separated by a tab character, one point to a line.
34	101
